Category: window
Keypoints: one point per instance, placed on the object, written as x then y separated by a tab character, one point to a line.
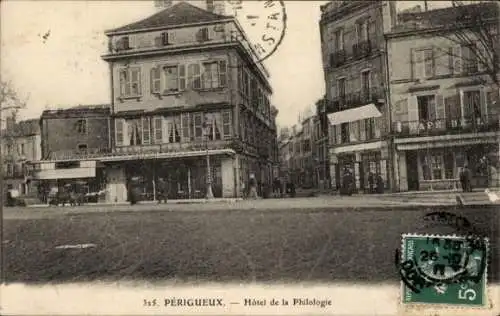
472	104
21	149
158	129
135	132
203	34
449	165
174	129
426	107
171	78
428	63
341	88
194	76
339	39
82	147
81	126
469	59
362	31
10	169
124	43
130	85
164	38
226	124
210	75
119	126
365	84
155	80
214	126
344	130
210	5
437	166
370	128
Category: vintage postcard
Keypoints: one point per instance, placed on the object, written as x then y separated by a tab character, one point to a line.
255	157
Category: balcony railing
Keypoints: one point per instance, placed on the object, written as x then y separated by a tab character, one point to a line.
361	49
447	126
338	58
78	154
358	98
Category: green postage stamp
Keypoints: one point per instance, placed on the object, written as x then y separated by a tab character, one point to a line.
450	270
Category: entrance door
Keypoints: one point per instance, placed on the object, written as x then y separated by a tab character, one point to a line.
411	167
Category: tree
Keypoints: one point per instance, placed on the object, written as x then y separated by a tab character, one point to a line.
475	28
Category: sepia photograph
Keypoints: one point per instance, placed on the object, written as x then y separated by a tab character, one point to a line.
255	157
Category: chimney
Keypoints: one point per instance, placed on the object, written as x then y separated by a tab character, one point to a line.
163	4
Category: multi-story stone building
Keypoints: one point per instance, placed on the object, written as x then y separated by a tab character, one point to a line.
445	108
21	145
352	44
321	126
72	142
184	89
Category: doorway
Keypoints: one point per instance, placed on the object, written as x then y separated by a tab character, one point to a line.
411	167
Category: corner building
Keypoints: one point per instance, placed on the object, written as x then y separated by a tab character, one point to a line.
352	44
183	88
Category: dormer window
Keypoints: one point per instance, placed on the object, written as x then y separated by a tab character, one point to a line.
204	34
125	42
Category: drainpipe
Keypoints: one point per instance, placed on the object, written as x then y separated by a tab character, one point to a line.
392	145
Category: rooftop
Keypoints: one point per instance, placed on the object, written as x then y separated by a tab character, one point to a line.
25	128
79	110
181	13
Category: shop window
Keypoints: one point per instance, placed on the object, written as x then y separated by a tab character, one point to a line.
449	165
426	168
437	166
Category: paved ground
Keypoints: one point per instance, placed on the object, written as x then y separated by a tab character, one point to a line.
249	241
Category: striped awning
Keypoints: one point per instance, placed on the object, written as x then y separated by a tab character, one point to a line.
169	155
353	115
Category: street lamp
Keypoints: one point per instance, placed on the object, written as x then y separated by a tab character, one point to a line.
206	130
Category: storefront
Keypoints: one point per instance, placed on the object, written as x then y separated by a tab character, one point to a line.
438	168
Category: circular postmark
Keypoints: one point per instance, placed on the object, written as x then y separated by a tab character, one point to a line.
436	261
264	24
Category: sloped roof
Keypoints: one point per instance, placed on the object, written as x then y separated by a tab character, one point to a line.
25	128
178	14
79	110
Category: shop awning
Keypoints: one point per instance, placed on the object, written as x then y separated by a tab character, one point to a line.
171	155
356	114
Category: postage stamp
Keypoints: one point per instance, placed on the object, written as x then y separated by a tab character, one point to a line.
449	270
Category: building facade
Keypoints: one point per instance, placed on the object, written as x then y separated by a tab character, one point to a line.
72	142
353	45
184	89
21	143
445	108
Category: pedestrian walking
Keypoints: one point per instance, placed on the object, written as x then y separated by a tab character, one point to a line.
466	179
163	190
252	186
371	181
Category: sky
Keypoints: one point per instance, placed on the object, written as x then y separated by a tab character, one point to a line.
65	69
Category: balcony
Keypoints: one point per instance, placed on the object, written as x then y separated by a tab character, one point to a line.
338	58
359	98
448	126
90	153
173	147
361	49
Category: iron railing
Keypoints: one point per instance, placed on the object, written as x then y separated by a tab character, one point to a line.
338	58
358	98
447	126
361	49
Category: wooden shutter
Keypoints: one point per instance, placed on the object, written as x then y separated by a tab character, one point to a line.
377	126
119	129
440	108
457	59
452	107
186	127
362	131
431	109
146	131
412	114
484	105
155	80
182	77
222	73
164	38
417	64
158	130
338	134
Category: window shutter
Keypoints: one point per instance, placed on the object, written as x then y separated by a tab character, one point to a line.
171	37
417	64
222	73
182	77
186	130
440	108
338	134
164	38
432	109
158	129
146	131
484	105
452	105
412	109
457	59
362	131
119	129
155	80
377	124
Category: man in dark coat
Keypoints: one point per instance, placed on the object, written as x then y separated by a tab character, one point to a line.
371	181
465	179
163	190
